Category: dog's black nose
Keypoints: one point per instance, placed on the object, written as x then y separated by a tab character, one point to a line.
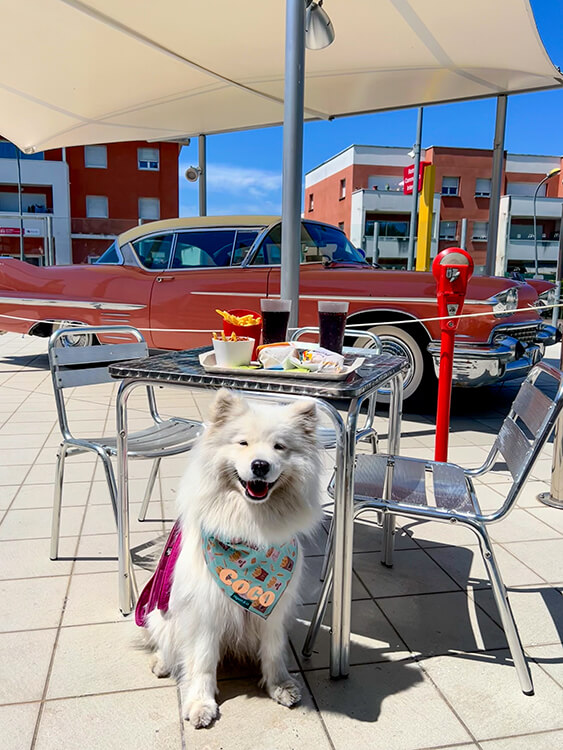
260	468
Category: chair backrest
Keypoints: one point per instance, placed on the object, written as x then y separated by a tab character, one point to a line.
374	340
528	426
76	366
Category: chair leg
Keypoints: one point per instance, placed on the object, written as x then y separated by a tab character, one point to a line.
506	616
319	613
110	479
388	540
328	549
57	502
149	489
112	487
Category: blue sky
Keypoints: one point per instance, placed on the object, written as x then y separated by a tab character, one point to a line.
244	169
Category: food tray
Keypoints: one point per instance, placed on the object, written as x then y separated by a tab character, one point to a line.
209	364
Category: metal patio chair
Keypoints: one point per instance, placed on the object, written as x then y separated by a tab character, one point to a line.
429	490
326	435
80	366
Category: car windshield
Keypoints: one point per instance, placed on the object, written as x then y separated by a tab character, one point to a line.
320	243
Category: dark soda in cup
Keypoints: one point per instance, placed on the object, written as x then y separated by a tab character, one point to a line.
275	319
332	325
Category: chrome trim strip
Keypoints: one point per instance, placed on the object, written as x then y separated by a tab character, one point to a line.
418	300
82	304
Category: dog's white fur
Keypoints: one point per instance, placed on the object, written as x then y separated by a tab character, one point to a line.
202	624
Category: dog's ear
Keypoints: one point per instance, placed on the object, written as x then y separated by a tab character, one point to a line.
304	413
225	406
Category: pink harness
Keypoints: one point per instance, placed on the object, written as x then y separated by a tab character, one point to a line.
156	594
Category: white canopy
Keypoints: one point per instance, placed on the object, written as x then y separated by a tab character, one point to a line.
95	71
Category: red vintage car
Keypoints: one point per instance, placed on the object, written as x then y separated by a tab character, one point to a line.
168	277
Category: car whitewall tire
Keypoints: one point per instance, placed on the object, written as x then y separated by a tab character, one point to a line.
397	341
80	339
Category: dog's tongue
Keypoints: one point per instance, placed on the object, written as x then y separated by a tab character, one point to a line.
257	488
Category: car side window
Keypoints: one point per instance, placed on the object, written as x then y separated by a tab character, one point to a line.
244	241
208	249
269	252
154	252
110	257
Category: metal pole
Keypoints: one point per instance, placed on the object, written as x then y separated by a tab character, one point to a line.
536	264
375	251
414	204
538	186
496	184
202	163
20	207
463	239
292	167
558	273
49	249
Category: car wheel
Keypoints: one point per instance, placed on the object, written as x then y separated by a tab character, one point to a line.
74	340
395	340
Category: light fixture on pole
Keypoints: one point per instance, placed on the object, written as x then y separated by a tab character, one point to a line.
319	31
538	186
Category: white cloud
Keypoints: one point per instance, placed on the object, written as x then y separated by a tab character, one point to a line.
234	190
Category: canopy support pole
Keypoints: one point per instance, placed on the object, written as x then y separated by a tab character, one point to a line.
496	184
292	166
202	164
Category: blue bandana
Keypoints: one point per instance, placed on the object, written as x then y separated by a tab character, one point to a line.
253	577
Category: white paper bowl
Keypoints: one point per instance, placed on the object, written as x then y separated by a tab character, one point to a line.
233	353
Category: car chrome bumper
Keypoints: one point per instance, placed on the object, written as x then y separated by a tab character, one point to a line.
507	357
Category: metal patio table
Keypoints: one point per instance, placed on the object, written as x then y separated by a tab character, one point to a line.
184	369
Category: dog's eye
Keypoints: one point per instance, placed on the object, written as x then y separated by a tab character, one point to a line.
243	442
279	447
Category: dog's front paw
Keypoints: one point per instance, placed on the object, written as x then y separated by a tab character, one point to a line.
288	693
200	713
159	667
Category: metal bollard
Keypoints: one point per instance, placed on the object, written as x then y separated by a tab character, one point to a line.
554	498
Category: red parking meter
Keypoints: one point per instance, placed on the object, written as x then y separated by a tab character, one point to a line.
452	269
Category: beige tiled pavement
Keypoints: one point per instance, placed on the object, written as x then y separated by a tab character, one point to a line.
430	665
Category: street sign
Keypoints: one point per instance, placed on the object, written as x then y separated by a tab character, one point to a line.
408	175
34	232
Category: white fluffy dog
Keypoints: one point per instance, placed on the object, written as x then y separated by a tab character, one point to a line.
253	476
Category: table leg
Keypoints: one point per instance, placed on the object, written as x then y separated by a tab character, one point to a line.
393	443
343	548
126	602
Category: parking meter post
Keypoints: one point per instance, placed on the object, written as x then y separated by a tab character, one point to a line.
554	498
452	269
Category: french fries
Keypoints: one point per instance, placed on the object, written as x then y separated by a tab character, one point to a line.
221	336
235	320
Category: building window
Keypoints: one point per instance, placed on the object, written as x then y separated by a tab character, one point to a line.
342	189
386	182
524	188
482	188
96	157
97	207
448	230
450	186
148	158
311	202
480	230
149	209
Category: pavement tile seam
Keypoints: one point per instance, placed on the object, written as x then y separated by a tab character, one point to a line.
57	635
313	698
506	547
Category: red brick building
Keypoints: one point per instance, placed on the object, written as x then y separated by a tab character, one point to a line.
363	184
84	196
